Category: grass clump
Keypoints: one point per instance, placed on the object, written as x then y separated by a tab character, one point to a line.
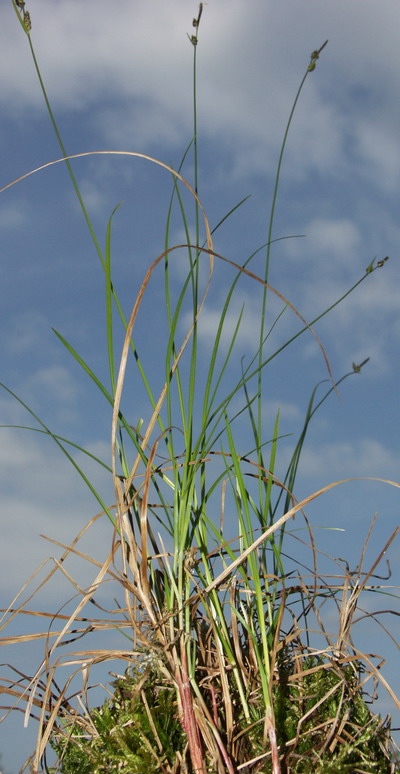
214	620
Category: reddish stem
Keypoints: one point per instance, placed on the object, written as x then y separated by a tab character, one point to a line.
188	717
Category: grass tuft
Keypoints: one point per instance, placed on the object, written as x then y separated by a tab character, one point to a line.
216	622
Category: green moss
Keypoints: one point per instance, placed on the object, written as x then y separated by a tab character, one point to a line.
122	737
326	713
323	723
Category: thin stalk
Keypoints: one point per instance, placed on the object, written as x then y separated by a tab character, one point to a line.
84	210
266	273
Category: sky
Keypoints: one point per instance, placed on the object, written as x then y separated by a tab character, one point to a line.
119	77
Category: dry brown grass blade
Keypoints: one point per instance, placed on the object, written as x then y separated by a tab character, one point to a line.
51	706
86	597
113	575
357	585
144	568
276	644
265	535
210	725
335	735
219	758
332	739
326	652
46	723
235	635
375	671
136	558
225	688
133	154
380	556
12	611
93	625
11	691
374	617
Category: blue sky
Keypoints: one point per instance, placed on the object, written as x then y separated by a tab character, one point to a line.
119	77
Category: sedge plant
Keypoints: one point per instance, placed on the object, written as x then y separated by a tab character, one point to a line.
213	624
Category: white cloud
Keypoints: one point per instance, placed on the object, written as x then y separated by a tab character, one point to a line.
329	253
54	381
111	55
287	410
43	494
361	457
13	216
50	390
148	121
93	195
380	153
323	268
247	338
132	67
338	238
27	332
